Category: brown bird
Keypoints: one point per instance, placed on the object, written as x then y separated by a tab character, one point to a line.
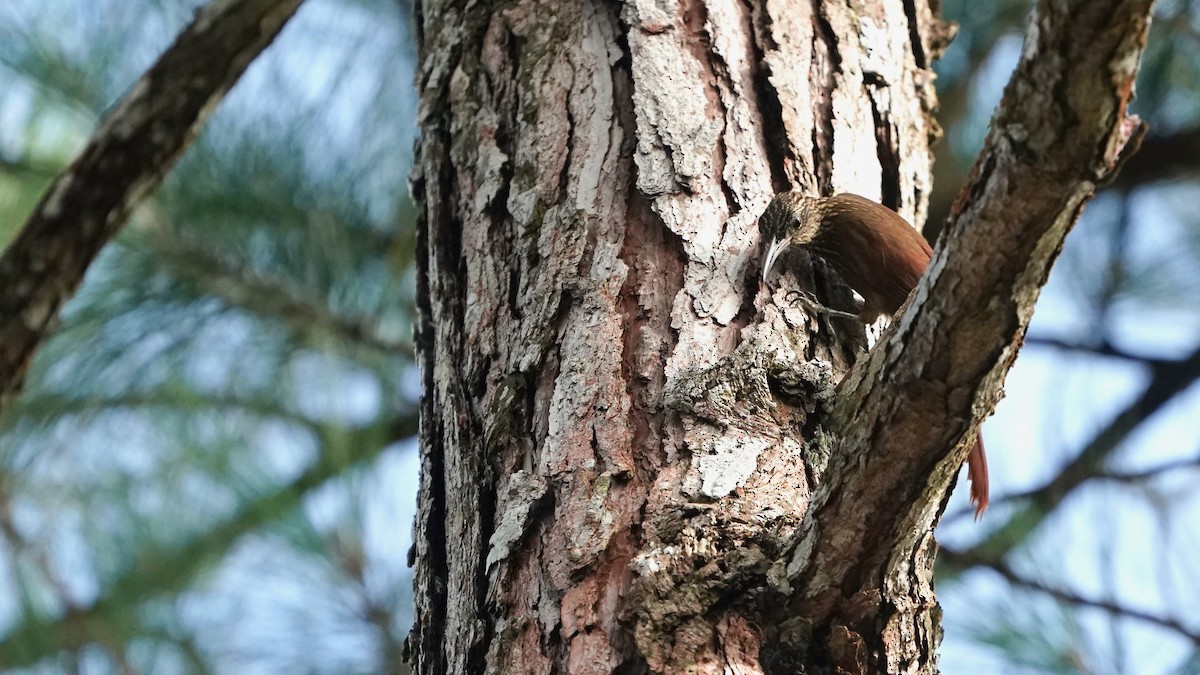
873	250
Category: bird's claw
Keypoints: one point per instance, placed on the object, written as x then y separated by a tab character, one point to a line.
810	303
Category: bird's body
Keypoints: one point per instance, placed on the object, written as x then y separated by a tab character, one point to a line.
875	251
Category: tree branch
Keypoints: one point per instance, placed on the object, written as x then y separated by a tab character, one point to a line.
907	414
1163	157
158	571
241	287
1098	473
1165	384
966	559
1104	349
124	160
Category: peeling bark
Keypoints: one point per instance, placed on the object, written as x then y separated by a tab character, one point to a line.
635	458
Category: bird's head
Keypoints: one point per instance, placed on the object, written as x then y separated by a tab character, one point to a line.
791	219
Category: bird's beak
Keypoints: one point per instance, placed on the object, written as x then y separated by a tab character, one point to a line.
776	248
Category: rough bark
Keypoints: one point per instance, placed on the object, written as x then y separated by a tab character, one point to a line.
627	461
126	158
1061	129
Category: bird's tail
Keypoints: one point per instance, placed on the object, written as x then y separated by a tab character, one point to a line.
978	473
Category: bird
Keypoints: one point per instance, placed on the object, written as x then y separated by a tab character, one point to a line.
875	251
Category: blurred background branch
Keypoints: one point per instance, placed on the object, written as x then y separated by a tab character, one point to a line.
211	469
1070	597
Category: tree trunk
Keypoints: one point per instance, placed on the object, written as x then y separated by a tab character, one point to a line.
621	430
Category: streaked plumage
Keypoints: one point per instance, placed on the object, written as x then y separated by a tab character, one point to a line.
874	250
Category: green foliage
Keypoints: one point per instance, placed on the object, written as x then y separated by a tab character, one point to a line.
226	406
